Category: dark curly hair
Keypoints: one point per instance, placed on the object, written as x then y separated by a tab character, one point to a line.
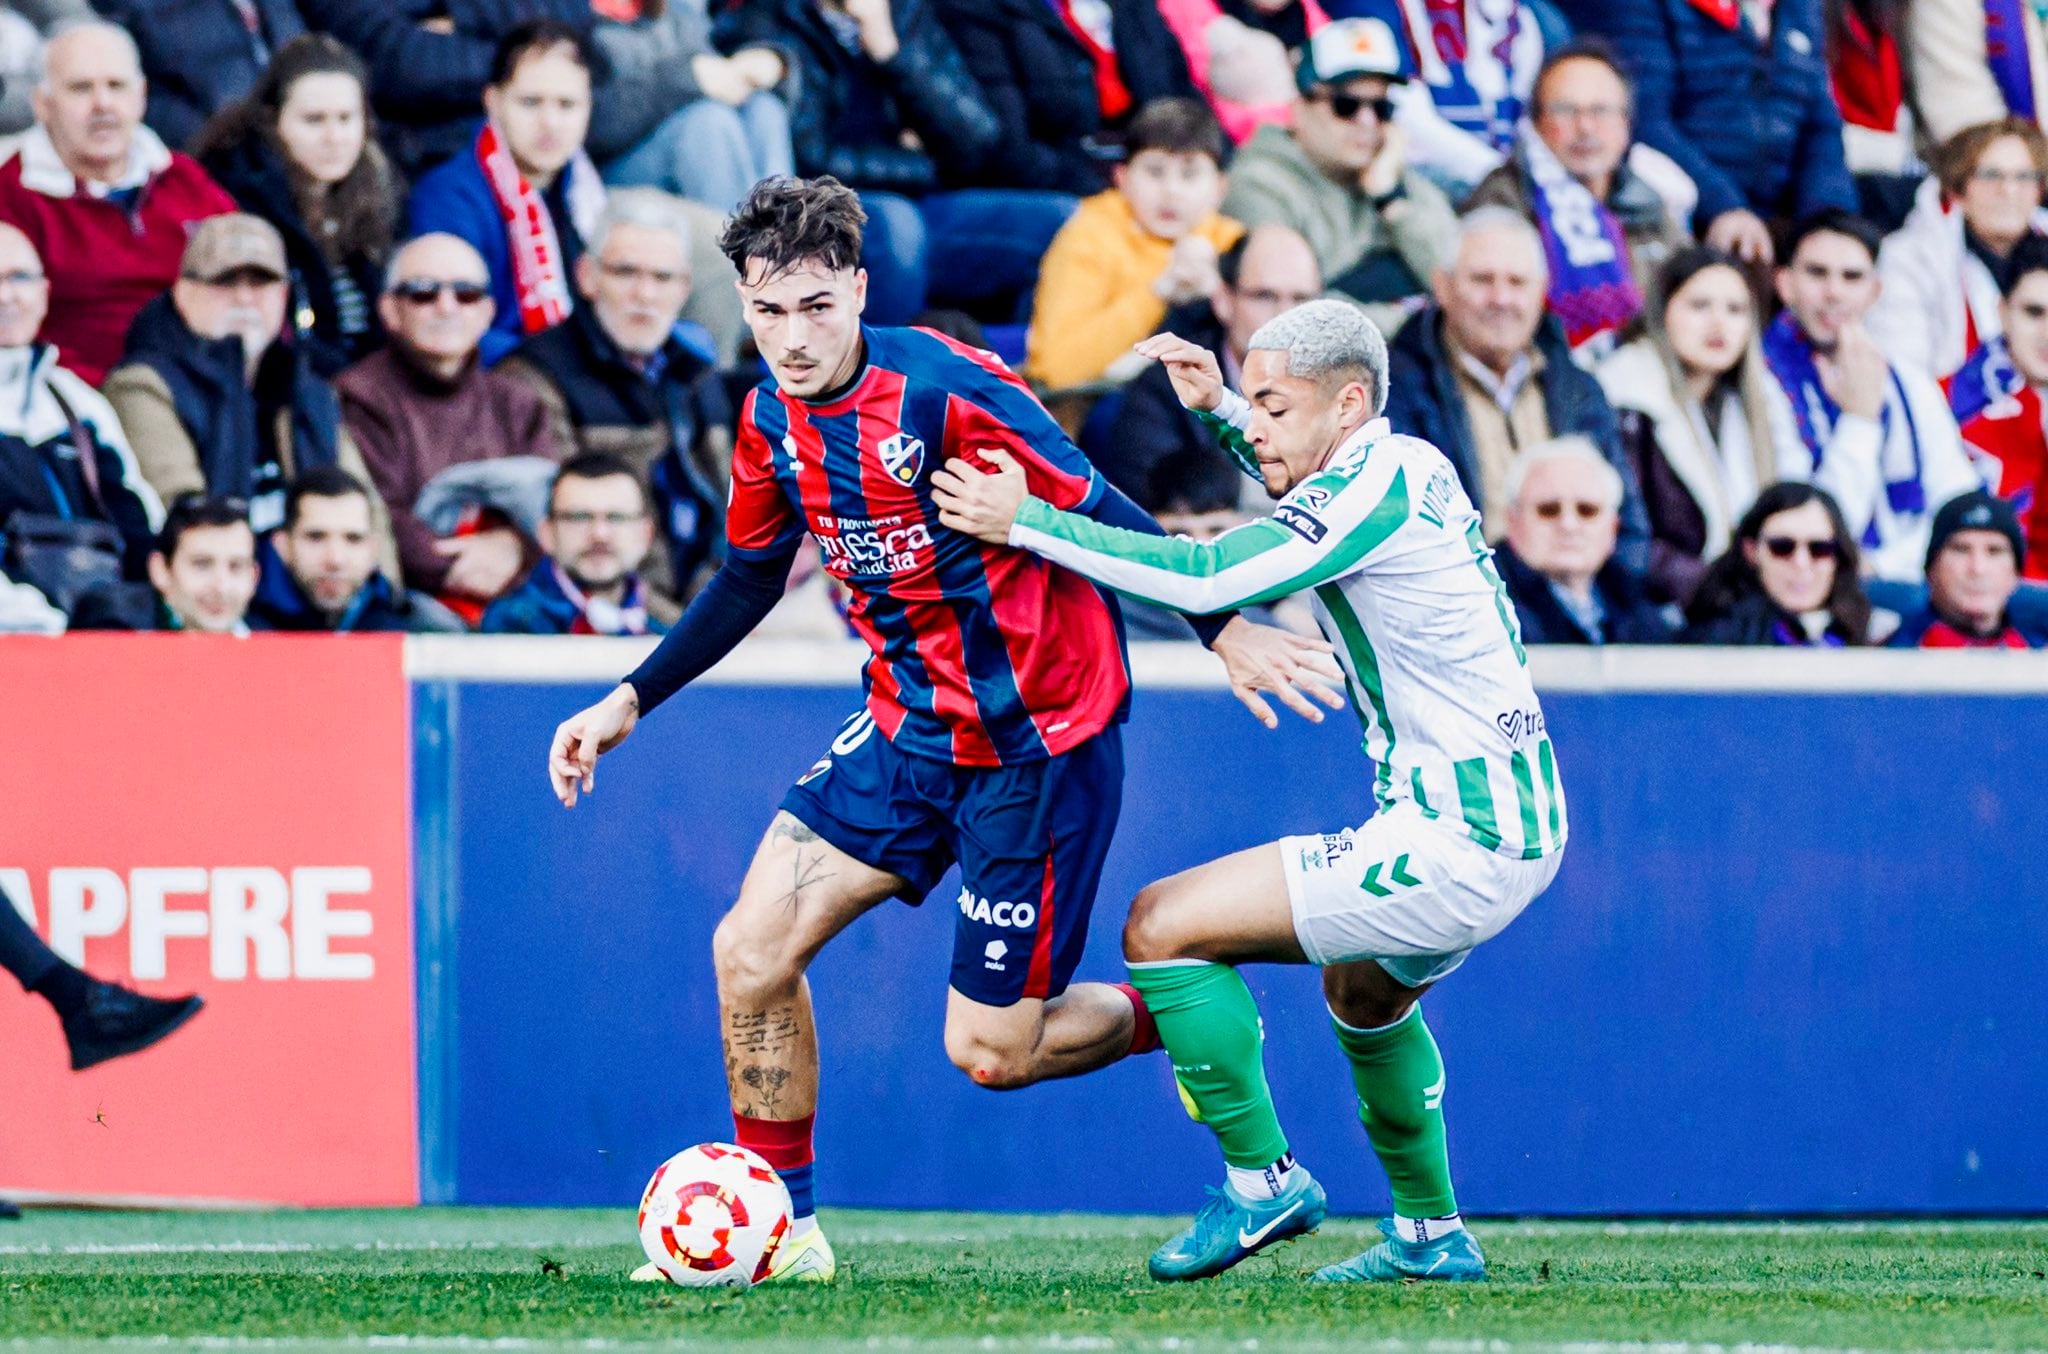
787	222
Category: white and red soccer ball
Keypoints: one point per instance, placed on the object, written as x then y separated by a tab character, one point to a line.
713	1216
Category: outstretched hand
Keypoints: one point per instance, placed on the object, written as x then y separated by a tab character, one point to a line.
1197	380
1290	667
978	502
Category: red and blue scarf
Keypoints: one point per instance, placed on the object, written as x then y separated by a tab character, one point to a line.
2005	49
1592	288
1456	99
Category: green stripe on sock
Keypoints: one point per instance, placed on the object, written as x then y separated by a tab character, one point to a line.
1475	799
1210	1026
1525	799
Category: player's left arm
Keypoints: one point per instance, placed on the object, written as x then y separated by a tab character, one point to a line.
1329	527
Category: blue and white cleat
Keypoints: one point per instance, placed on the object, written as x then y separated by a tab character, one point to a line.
1230	1229
1450	1259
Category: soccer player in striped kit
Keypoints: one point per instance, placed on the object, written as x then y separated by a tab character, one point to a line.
995	692
1470	825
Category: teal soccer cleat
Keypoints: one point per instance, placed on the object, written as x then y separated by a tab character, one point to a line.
1230	1229
1451	1259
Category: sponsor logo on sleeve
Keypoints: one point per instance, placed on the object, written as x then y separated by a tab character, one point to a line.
1302	523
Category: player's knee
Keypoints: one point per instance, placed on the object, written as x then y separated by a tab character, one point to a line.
989	1062
749	962
1365	1000
1151	932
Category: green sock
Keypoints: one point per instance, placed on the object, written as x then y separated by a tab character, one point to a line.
1400	1079
1210	1027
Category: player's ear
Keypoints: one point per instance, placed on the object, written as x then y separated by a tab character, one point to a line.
860	291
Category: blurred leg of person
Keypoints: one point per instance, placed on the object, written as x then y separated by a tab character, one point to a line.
768	134
101	1020
894	253
701	152
986	242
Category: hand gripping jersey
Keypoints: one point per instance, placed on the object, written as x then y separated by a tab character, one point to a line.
1403	583
982	655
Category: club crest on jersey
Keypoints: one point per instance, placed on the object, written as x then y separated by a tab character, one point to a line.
902	456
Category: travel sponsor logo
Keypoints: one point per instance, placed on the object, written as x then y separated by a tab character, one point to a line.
902	456
1515	725
1019	916
1302	523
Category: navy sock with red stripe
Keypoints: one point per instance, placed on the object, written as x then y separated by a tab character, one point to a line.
785	1144
1144	1030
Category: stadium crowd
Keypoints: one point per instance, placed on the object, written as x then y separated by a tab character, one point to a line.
348	315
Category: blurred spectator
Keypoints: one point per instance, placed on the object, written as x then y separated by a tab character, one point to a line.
107	206
1976	61
202	55
425	404
101	1020
330	579
1974	557
885	104
1060	75
25	611
1877	112
429	61
202	575
1789	578
1133	250
616	378
1692	405
1605	229
1341	179
597	533
68	481
1944	269
676	114
1564	515
1484	374
1739	95
1997	399
1879	438
24	24
1240	54
1269	270
1478	64
527	194
301	153
214	399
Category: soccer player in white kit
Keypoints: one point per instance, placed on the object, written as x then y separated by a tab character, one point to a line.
1470	824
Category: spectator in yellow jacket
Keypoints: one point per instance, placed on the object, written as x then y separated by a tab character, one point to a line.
1129	253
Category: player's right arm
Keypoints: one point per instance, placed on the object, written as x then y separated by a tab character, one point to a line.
763	535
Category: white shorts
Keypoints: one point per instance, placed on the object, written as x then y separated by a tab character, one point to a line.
1407	890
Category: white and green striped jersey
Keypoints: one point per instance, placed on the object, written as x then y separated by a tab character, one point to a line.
1389	546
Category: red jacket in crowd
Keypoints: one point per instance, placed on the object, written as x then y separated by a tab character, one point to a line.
109	255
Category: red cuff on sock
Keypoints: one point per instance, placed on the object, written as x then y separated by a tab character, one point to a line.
784	1144
1144	1030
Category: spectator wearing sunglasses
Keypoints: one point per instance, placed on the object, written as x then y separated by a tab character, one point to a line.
1340	176
1790	578
1564	515
598	531
427	403
202	575
1974	558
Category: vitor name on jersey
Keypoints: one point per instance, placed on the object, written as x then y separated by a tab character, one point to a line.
885	545
1022	916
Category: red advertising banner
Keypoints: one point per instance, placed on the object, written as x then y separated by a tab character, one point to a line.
228	817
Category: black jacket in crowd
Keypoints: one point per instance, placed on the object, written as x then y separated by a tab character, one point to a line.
1629	616
1041	83
1152	425
199	56
847	114
255	175
40	471
378	607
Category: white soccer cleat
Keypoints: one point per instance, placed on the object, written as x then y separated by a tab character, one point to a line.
807	1259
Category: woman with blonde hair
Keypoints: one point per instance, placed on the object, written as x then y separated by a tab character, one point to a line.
1690	401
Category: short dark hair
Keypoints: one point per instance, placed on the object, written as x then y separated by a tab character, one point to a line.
1832	221
1230	262
535	36
1590	47
2030	255
194	512
322	481
1178	126
597	465
1191	481
785	222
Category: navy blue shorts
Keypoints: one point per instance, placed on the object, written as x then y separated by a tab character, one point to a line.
1029	840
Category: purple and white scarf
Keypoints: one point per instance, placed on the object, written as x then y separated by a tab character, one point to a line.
1592	288
2005	49
1789	355
1987	380
1456	100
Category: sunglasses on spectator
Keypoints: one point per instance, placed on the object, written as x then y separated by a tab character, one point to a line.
1784	547
1551	509
591	519
1348	106
424	291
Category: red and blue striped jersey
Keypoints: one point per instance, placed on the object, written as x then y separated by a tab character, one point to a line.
983	655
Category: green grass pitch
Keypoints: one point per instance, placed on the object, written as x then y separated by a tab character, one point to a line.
517	1279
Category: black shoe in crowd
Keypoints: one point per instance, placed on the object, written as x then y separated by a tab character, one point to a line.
113	1021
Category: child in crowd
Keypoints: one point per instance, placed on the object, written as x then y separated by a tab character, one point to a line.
1129	253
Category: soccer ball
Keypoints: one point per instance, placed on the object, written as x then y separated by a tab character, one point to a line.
713	1216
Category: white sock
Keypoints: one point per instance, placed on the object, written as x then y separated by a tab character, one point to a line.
803	1226
1262	1182
1426	1229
